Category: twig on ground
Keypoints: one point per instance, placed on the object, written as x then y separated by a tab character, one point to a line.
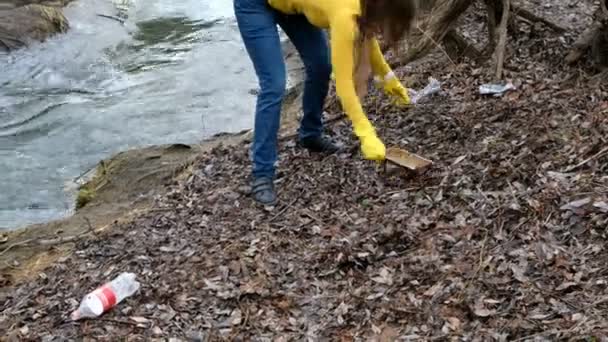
16	244
112	320
595	156
524	13
289	205
479	266
45	242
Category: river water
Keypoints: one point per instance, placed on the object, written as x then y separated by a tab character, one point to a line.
174	72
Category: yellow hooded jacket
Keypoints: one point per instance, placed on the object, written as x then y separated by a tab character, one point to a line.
340	17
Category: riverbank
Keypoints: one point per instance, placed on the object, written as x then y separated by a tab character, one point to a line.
501	240
24	22
123	187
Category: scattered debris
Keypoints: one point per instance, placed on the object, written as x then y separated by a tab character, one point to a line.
576	204
496	89
107	296
433	87
410	161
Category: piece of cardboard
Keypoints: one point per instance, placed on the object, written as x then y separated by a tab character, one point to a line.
408	160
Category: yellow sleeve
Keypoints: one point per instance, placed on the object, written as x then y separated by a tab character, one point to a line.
343	32
379	65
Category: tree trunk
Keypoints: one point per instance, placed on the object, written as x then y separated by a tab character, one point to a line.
502	38
435	27
599	47
492	18
596	37
457	46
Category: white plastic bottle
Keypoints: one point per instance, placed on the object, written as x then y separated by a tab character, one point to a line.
106	296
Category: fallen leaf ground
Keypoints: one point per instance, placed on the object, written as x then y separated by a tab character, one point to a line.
503	239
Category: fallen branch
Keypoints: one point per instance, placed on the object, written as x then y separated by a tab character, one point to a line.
583	42
524	13
59	241
16	244
46	241
457	46
586	39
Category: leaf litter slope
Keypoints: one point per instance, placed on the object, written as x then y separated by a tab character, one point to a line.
503	239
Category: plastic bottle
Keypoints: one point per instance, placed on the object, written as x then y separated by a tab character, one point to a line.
495	89
106	296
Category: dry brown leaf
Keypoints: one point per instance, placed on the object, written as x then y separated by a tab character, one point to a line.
481	311
566	285
434	289
576	204
385	277
454	322
602	205
236	317
539	316
518	273
388	334
156	331
141	321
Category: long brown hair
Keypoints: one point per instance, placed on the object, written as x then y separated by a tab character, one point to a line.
395	17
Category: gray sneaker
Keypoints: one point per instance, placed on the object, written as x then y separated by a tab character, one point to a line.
263	191
319	144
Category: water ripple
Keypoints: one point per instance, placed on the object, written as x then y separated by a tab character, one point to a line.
175	72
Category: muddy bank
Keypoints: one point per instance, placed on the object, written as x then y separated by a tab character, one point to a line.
24	22
122	185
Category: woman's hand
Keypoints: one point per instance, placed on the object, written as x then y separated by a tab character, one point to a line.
393	87
371	146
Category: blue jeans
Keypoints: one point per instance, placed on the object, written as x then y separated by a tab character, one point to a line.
257	22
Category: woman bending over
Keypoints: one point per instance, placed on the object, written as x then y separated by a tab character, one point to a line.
349	22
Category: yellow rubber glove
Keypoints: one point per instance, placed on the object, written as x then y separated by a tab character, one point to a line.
371	146
393	87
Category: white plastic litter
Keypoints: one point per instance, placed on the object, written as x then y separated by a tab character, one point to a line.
495	89
434	86
106	296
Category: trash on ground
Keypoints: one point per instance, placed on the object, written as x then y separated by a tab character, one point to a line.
495	89
407	159
576	204
434	86
106	296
